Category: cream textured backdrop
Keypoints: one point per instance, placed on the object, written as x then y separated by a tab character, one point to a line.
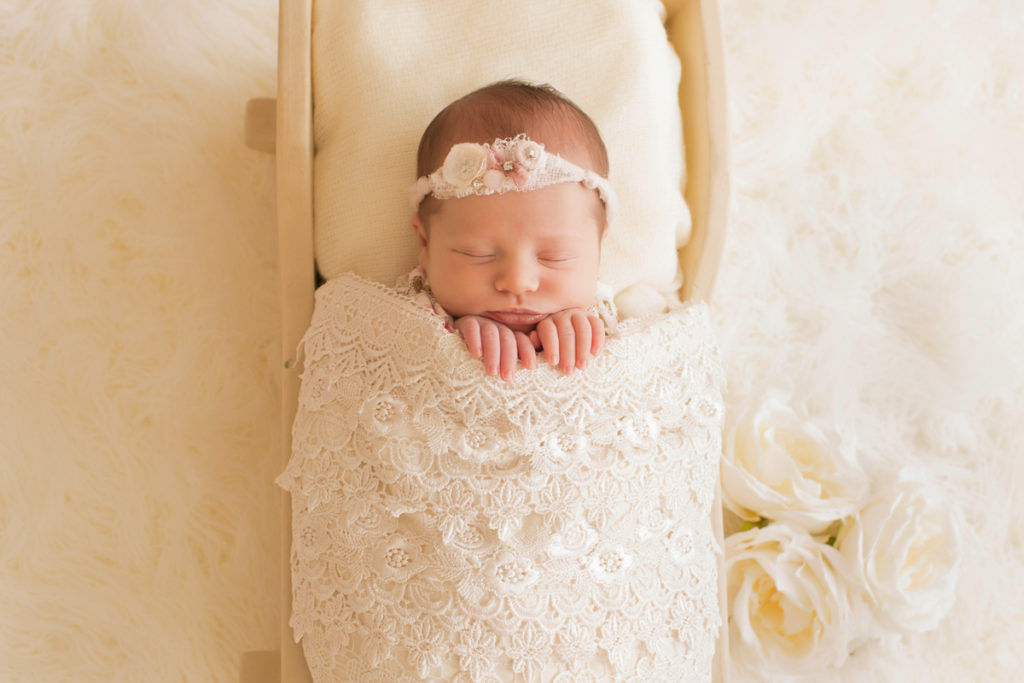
872	265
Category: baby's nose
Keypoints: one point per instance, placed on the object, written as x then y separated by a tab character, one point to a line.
517	276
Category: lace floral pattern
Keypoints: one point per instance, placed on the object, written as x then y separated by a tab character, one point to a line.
451	526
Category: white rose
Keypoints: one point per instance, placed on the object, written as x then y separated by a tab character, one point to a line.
790	612
464	163
779	464
905	548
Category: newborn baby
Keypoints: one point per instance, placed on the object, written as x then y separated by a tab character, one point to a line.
510	225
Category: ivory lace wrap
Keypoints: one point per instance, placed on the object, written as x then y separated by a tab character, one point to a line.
450	526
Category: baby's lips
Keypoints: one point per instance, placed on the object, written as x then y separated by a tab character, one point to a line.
515	317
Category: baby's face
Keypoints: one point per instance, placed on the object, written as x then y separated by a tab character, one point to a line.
514	257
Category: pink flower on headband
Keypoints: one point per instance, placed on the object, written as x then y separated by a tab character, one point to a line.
529	154
518	157
493	178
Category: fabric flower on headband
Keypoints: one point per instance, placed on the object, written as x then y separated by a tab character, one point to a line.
465	164
490	165
515	164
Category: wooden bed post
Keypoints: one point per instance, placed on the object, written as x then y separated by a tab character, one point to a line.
285	127
695	31
294	147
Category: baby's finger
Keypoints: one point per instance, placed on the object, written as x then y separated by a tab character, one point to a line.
491	342
509	352
470	329
527	352
581	325
549	339
566	344
597	328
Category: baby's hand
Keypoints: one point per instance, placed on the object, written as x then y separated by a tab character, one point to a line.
499	346
570	338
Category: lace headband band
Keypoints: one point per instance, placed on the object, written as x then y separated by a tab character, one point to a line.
506	165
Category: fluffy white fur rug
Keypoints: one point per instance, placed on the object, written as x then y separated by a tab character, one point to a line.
872	267
139	297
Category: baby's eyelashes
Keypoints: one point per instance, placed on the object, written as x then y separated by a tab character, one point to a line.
480	255
556	260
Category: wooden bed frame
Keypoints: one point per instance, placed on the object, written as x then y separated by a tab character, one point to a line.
284	127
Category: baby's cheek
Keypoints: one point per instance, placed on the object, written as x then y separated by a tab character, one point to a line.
579	291
455	296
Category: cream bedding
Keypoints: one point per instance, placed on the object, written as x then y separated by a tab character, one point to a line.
453	526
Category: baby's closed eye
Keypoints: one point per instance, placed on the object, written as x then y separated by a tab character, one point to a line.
475	254
558	258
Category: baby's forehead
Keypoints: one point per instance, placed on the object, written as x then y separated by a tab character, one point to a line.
561	212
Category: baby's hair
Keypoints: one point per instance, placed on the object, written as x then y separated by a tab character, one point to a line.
506	109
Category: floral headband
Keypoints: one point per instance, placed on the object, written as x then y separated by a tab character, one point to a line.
511	165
